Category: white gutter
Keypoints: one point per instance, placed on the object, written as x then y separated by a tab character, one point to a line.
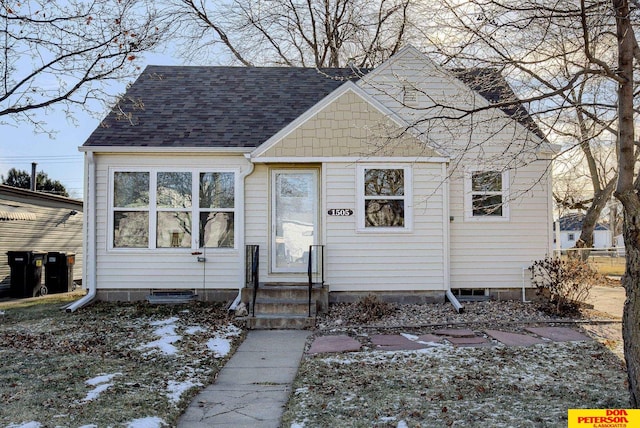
90	245
241	240
524	298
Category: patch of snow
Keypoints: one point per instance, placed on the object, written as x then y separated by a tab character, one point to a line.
1	312
164	344
220	346
388	419
101	379
171	320
95	392
194	330
168	336
301	390
297	424
32	424
89	426
148	422
176	389
402	424
412	337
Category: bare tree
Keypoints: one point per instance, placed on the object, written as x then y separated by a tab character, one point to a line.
534	44
63	53
308	33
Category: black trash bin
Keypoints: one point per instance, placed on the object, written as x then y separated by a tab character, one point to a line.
58	272
26	273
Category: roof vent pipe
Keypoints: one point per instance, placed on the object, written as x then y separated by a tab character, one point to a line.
33	176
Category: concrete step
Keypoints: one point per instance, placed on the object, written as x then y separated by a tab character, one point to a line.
268	306
280	322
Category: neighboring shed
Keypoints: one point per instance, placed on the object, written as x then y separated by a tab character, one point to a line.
38	221
571	227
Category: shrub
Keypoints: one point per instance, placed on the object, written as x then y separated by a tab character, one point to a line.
370	308
564	283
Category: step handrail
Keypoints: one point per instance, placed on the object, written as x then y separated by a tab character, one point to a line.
252	272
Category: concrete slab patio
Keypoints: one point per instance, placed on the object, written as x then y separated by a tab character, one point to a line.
253	387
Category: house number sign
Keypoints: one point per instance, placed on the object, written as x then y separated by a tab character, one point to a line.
340	212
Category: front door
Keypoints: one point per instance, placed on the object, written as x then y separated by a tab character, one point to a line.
295	218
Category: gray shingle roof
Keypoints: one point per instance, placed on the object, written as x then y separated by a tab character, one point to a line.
181	106
239	107
574	222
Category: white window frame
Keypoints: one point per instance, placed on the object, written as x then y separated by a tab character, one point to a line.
468	197
408	199
153	209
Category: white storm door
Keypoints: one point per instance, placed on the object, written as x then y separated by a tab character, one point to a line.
294	218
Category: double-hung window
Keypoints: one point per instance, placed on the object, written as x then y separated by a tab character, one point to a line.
486	195
384	198
159	209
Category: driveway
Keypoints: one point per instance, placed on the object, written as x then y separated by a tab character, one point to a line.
608	299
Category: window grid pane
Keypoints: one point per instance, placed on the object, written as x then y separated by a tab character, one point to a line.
131	189
173	230
174	190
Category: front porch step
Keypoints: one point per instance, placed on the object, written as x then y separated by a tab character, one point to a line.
284	305
280	322
271	306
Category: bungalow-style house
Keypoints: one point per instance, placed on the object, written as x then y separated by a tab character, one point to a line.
571	228
364	181
37	221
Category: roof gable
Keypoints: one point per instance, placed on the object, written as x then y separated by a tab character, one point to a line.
347	123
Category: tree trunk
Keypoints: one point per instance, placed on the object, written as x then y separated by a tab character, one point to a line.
627	194
631	314
591	217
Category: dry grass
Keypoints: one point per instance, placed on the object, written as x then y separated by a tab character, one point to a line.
462	387
49	355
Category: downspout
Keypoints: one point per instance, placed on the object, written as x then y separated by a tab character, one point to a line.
90	245
446	231
241	243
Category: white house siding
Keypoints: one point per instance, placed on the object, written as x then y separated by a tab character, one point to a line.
365	261
165	268
483	254
53	230
491	254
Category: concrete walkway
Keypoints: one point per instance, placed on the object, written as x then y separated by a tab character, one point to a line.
253	387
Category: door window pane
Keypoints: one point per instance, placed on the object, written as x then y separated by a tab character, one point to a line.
295	219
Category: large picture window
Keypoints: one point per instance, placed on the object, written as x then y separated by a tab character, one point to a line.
486	195
385	198
156	209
